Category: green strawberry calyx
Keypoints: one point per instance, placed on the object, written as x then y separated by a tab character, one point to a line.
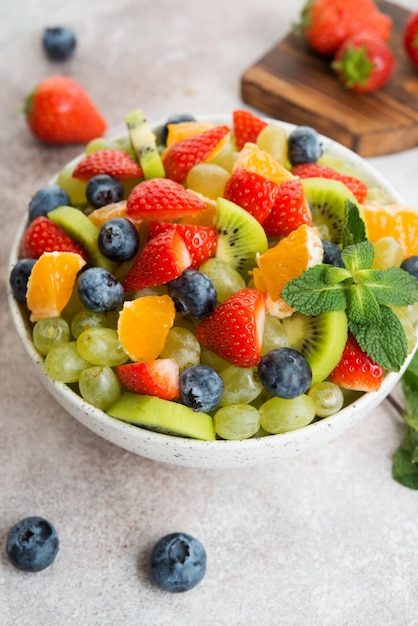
354	67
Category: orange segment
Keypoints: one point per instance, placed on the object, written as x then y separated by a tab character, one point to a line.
394	220
183	130
51	283
143	326
109	212
301	249
261	162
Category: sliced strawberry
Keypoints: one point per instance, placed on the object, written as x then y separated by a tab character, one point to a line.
252	192
163	258
43	235
234	331
200	240
247	127
312	170
290	210
159	377
181	156
114	161
162	199
356	370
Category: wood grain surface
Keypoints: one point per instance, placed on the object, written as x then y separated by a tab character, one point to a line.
292	83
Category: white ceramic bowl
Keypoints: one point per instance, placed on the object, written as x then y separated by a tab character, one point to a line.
212	454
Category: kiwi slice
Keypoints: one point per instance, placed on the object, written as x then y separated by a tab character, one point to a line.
144	145
78	226
326	199
240	237
162	416
320	338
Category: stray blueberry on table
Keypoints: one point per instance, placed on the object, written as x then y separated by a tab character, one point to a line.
410	265
59	43
104	189
47	199
118	239
32	544
99	290
332	254
193	294
178	562
285	373
201	387
19	277
304	145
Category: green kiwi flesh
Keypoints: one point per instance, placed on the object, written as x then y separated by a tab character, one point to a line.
163	416
320	338
240	237
326	199
144	145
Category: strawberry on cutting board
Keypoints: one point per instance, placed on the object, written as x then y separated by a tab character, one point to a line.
59	111
252	192
356	370
162	259
234	331
113	161
200	240
247	126
182	155
162	199
43	235
159	377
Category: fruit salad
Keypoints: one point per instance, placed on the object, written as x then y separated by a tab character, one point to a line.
217	281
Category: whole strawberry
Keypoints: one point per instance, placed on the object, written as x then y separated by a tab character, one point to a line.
325	24
410	37
363	63
59	111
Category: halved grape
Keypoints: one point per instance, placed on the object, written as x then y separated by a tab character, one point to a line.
237	421
273	139
48	332
241	385
279	415
328	398
99	386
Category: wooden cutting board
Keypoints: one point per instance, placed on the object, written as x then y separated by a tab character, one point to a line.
295	85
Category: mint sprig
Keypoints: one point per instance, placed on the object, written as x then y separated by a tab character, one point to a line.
364	293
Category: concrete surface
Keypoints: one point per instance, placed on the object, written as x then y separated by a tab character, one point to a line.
325	539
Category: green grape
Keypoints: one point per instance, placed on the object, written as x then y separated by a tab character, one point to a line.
274	335
241	385
100	143
388	253
208	179
181	345
226	157
225	278
100	346
48	332
64	364
76	189
273	139
87	319
279	415
237	421
99	386
328	398
207	357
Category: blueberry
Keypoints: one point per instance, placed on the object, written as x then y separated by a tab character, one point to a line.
332	253
104	189
59	43
176	118
118	239
285	373
304	145
410	265
32	544
99	290
19	277
47	199
201	388
193	293
178	562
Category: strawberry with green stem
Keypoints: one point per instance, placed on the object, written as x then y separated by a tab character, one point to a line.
410	37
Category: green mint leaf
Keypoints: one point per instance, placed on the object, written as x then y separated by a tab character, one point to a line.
405	469
354	229
358	256
333	275
394	287
385	343
363	307
311	293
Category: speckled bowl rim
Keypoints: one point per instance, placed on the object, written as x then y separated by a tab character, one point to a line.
210	454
